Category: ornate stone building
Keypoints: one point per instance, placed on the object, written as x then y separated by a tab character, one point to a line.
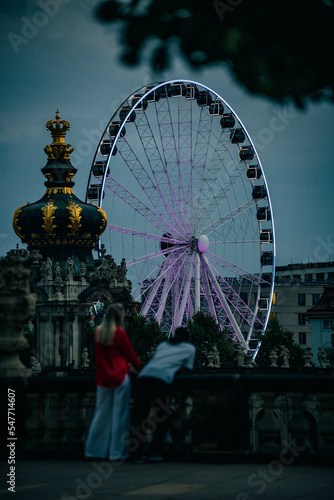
61	232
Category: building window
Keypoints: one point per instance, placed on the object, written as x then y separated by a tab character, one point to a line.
331	277
301	319
331	303
274	299
272	316
302	338
308	277
301	299
327	324
244	297
315	298
320	276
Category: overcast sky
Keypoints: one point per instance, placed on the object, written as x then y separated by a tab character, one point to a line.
65	59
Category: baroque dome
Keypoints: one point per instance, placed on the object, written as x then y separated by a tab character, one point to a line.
59	218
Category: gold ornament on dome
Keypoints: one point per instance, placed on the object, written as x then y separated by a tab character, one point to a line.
56	190
58	149
104	220
16	227
74	217
48	210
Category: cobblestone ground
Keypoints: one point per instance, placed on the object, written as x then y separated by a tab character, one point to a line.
74	479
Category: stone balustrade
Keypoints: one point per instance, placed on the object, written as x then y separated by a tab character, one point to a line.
242	412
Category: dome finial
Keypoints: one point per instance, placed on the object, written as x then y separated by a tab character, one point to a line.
58	149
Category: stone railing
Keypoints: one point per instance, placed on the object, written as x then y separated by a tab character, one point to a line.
243	412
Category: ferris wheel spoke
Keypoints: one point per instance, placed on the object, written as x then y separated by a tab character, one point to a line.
235	300
234	242
162	273
238	229
138	206
146	183
152	294
237	212
154	255
217	198
210	173
170	280
223	301
199	161
164	295
154	158
143	234
185	151
169	150
242	273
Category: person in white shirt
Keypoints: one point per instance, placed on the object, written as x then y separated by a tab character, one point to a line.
153	385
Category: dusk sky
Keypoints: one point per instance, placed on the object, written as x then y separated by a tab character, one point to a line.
65	59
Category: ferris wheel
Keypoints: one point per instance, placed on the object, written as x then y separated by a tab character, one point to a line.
188	207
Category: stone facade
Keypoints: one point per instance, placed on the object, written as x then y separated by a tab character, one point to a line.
65	296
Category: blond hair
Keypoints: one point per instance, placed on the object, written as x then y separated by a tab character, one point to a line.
107	328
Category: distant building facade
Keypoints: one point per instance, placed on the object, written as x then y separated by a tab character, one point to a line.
321	319
298	288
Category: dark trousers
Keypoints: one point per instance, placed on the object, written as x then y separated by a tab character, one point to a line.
150	390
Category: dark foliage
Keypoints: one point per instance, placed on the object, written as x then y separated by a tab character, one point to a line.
205	334
279	49
275	337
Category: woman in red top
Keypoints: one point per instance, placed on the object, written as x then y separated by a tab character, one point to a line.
109	430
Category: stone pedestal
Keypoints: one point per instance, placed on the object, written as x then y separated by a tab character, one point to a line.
17	308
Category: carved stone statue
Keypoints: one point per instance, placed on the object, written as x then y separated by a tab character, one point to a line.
123	268
213	358
321	357
57	271
69	268
286	356
35	256
85	358
106	272
307	356
42	270
20	254
82	270
48	268
273	358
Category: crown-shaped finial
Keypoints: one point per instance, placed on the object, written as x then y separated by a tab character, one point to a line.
58	129
58	149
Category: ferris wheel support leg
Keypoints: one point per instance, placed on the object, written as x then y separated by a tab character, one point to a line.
186	290
164	296
151	296
207	291
197	283
224	303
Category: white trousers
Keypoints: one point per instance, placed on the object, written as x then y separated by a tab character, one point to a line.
108	435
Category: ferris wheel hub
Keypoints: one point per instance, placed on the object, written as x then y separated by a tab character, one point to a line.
203	243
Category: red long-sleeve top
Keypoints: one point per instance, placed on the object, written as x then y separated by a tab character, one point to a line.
112	360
